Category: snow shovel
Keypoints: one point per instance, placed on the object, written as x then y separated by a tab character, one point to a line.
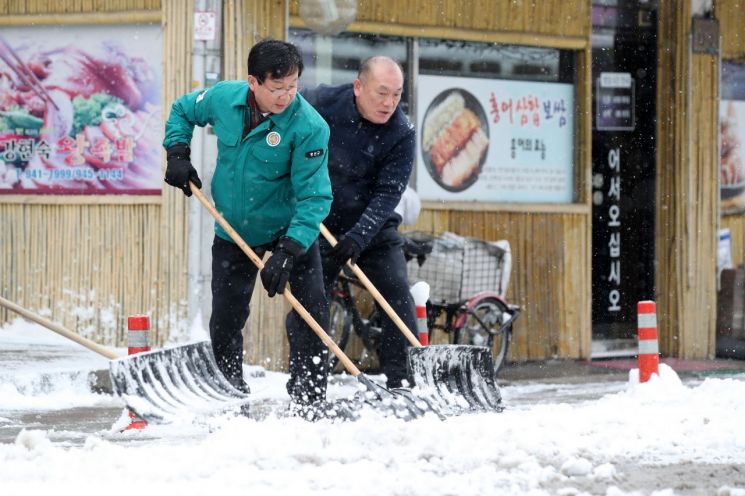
163	385
399	403
448	375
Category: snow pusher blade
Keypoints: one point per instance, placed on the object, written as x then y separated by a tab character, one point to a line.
398	403
450	378
455	378
175	383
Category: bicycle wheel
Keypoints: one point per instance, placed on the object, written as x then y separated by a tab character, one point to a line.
484	327
340	325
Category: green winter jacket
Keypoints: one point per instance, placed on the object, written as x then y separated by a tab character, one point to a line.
271	183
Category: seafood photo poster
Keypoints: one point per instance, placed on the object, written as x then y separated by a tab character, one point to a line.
80	110
494	140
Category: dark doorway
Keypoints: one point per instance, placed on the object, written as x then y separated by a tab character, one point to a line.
624	64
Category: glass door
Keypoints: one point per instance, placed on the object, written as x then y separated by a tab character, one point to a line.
624	63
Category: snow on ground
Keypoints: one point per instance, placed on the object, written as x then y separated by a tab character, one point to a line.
52	380
535	448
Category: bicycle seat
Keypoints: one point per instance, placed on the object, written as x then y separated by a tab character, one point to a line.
417	245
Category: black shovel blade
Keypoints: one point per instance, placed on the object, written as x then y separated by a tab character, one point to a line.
174	384
455	378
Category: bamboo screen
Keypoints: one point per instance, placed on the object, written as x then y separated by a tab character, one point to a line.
731	16
174	226
92	7
89	262
549	275
570	18
687	188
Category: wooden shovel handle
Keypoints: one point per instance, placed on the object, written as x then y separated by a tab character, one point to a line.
307	317
58	329
375	293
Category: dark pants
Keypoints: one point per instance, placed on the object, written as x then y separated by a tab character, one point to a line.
233	279
384	264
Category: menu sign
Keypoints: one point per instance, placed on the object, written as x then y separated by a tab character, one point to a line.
495	140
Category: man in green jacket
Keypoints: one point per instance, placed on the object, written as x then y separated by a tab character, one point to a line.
271	184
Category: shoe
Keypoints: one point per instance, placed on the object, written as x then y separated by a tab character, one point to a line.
239	384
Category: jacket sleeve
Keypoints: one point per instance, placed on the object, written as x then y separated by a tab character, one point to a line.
310	181
192	109
392	179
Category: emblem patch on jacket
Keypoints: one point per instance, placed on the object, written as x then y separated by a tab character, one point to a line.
314	153
273	138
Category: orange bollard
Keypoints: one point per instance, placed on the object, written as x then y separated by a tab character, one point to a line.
138	341
420	294
649	351
421	325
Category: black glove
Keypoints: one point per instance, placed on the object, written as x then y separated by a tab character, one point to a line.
179	170
276	271
346	249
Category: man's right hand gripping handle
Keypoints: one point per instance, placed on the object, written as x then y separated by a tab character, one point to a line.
179	170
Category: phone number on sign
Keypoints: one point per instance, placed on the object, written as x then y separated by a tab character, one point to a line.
72	173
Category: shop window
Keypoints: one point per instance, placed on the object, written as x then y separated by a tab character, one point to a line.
336	59
491	60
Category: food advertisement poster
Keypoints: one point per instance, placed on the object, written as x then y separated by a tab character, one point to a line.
495	140
80	110
732	156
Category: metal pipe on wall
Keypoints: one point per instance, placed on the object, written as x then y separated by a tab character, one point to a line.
206	71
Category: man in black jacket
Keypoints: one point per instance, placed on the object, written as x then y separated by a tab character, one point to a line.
371	154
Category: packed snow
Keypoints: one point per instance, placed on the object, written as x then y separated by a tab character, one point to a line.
590	446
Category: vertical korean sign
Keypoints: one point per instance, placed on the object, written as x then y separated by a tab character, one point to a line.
495	140
80	110
609	196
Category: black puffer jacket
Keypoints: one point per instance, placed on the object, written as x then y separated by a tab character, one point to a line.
369	164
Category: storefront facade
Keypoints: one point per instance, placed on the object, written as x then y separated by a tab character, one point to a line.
594	168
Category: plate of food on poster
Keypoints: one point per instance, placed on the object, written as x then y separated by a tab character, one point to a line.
454	139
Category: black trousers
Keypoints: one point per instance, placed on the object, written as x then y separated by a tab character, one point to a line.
384	264
233	279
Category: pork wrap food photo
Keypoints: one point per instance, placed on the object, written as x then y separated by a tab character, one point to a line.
454	139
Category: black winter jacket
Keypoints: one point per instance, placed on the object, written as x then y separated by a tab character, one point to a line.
369	164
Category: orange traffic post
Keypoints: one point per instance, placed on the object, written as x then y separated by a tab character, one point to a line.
138	341
421	324
420	294
649	350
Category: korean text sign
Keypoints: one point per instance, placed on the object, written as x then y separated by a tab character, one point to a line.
495	140
80	110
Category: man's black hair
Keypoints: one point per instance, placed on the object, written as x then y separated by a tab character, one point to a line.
275	59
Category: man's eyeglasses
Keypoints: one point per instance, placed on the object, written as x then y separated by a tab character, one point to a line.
282	91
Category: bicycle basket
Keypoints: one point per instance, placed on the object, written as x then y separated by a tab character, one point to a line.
459	267
484	267
442	269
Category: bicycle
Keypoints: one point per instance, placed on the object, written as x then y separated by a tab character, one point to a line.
483	319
